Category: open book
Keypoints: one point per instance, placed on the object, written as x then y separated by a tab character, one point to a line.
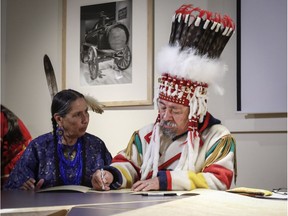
76	188
80	188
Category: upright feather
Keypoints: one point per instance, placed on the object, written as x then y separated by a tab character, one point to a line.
50	76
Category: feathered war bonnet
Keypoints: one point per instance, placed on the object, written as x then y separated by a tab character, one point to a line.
188	65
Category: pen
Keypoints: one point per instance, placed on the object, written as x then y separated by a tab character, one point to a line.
102	177
159	194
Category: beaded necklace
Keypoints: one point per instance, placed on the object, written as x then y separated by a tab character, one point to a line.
69	167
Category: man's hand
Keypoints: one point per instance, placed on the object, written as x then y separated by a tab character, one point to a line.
146	185
101	180
30	184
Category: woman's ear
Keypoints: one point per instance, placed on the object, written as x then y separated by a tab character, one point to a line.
57	118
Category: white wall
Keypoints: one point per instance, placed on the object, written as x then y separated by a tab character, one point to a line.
34	28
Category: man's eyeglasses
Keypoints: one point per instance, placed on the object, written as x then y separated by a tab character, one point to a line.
282	191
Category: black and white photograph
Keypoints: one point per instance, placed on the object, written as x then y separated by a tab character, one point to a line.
105	43
108	50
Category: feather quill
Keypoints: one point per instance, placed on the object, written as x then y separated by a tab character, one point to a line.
50	76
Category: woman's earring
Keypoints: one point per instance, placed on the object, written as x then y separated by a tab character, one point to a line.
59	131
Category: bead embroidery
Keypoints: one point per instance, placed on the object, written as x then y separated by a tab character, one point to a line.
68	166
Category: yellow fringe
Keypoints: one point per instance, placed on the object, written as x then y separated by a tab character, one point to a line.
129	152
221	151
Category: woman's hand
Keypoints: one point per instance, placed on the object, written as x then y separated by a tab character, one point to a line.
30	184
146	185
102	179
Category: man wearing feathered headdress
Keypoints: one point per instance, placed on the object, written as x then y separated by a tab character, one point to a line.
186	148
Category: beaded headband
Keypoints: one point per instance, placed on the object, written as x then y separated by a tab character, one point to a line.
179	90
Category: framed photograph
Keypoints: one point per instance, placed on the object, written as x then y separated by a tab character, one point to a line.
107	50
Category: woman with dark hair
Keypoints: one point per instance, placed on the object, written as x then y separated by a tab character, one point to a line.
68	155
14	139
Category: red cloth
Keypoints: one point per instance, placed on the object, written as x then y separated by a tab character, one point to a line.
223	174
11	152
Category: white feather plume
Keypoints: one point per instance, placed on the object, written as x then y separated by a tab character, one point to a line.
190	66
94	105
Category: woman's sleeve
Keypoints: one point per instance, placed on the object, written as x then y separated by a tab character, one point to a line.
25	168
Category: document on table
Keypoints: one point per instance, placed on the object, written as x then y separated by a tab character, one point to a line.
84	189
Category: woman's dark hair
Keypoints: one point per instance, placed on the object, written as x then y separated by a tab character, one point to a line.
14	134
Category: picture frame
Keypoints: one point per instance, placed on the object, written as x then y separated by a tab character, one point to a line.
238	72
137	92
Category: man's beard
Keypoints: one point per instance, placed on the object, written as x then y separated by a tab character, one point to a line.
168	132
